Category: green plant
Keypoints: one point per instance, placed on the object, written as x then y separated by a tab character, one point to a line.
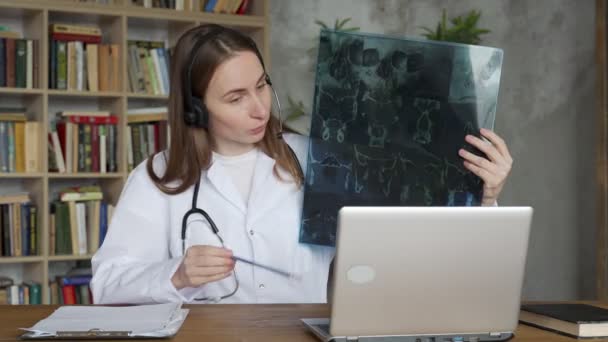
464	29
295	109
338	25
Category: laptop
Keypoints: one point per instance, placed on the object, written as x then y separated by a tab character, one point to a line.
426	274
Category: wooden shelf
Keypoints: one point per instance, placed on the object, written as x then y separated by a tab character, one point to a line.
22	175
147	96
69	257
119	23
23	259
76	93
21	91
84	175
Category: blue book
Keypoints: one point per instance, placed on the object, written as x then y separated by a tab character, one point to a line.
389	116
2	63
3	146
164	67
103	222
210	5
25	230
74	280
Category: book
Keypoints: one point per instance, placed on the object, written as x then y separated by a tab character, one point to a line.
577	320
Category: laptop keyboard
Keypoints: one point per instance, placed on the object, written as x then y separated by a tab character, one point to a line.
324	328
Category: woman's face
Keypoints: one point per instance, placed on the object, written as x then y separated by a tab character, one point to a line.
238	100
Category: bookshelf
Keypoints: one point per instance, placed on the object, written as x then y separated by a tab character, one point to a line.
120	21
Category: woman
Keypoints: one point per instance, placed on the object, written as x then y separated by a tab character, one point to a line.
225	141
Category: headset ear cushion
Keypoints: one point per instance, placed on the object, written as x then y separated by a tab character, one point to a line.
201	116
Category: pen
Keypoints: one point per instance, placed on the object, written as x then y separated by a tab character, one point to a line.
269	268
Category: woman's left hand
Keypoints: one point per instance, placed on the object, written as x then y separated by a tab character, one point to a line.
494	170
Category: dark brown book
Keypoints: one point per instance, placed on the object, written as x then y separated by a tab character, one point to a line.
577	320
10	62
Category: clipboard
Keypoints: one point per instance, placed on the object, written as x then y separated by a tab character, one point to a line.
108	331
93	334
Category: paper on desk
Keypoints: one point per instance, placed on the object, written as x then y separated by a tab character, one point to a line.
142	320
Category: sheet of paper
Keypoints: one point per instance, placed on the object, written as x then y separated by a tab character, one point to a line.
150	320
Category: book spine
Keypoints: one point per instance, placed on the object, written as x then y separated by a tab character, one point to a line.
112	167
95	148
81	148
72	37
88	148
75	280
11	146
33	226
29	64
3	146
10	61
19	146
62	65
20	63
25	230
2	63
6	229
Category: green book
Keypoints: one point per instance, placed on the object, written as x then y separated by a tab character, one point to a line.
63	240
20	63
62	65
35	292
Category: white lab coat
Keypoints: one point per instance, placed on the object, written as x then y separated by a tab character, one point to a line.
142	249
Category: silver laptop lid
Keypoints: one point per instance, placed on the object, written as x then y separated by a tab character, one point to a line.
428	270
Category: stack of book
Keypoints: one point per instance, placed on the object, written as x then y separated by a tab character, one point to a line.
78	60
147	135
226	6
83	141
26	293
78	221
18	141
73	287
148	64
18	61
19	226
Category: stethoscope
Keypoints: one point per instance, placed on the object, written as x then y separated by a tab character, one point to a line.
195	210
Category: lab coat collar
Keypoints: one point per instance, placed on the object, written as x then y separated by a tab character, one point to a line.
259	188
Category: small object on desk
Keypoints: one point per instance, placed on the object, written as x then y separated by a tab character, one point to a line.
576	320
104	322
268	268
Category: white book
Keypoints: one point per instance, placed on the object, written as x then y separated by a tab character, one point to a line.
29	73
147	110
151	139
69	154
81	219
79	66
14	294
58	153
160	85
103	160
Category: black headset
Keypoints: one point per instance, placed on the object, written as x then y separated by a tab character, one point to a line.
195	111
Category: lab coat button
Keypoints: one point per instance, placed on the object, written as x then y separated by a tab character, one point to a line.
262	286
251	232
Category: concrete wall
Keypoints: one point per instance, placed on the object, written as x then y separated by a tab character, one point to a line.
545	111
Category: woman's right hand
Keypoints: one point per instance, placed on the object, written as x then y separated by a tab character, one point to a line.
202	265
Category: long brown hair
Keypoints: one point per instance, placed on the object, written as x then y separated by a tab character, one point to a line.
190	147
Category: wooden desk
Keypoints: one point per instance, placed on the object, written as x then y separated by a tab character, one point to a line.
243	323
